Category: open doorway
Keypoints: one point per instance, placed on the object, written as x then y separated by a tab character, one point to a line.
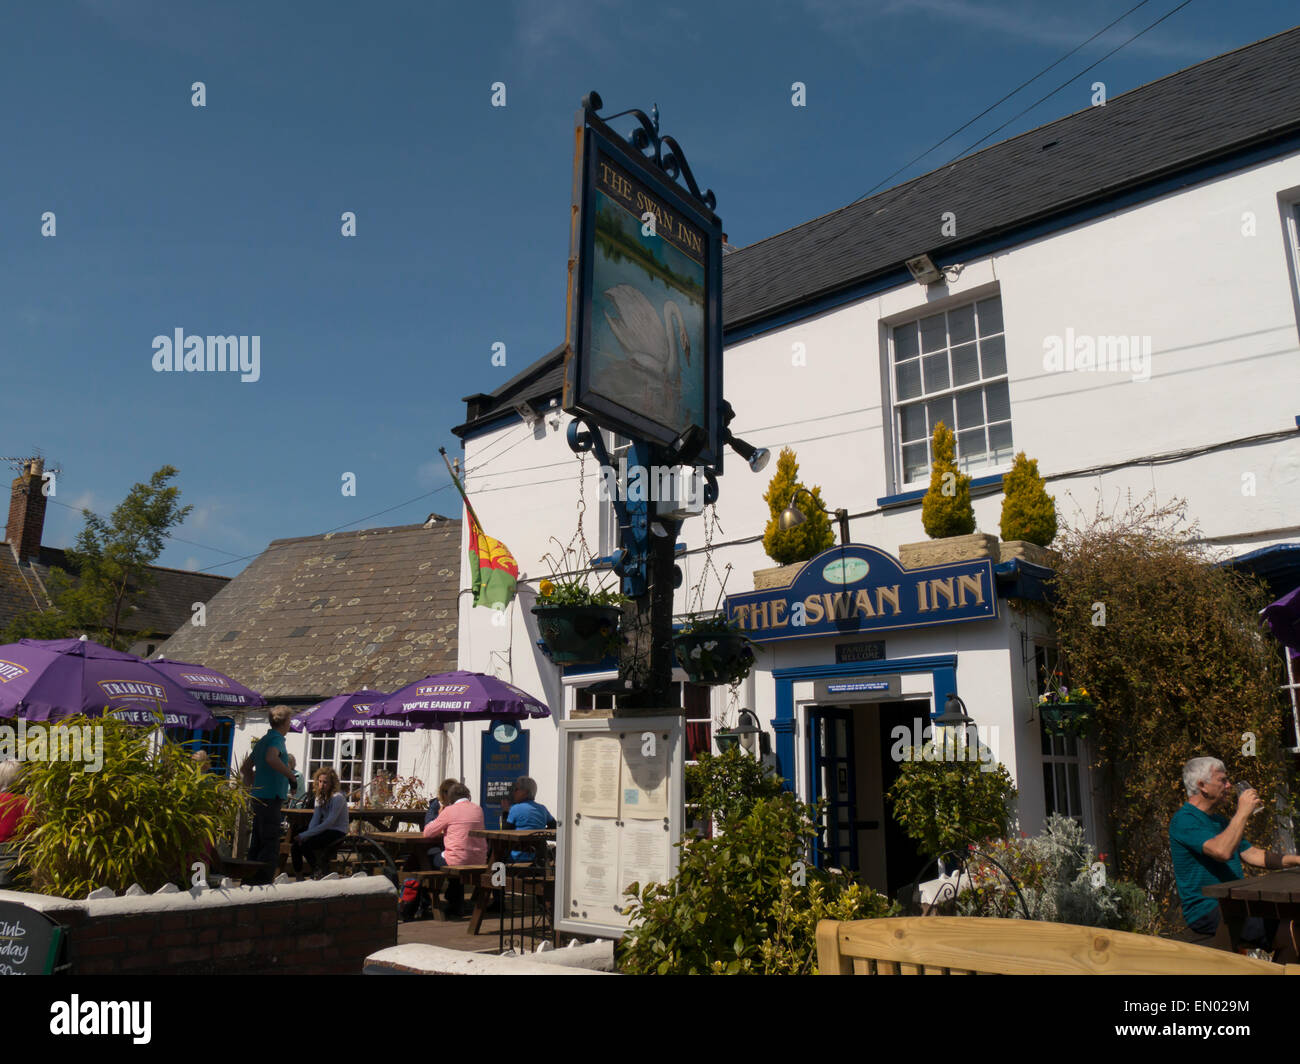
851	769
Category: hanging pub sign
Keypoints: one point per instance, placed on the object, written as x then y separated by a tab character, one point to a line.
644	319
846	590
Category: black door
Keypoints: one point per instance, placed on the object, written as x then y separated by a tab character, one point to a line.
833	782
902	859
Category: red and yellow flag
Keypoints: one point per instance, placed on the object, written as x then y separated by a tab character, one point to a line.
494	568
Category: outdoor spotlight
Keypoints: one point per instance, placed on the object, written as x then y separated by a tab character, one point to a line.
756	456
923	270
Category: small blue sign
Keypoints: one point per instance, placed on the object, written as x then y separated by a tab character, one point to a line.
504	759
846	688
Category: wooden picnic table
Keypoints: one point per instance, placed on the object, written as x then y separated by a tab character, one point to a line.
1273	895
382	819
500	843
408	843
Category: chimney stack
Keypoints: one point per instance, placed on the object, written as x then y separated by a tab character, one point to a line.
27	510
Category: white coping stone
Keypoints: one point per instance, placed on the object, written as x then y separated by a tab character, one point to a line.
437	960
101	892
175	899
283	878
133	891
168	888
598	956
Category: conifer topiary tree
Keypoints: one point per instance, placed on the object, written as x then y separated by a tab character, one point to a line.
1028	512
804	541
946	509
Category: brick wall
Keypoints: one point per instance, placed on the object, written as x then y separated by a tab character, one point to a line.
322	928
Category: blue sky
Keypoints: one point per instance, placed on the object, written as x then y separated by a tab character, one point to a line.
225	219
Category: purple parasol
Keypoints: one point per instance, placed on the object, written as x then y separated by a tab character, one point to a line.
1283	618
208	686
358	711
460	696
49	679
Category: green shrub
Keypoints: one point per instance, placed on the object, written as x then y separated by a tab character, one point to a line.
737	905
143	818
946	509
726	787
1028	512
805	541
944	805
1054	871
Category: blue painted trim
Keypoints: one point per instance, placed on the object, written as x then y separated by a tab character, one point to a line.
1297	421
942	669
993	482
1020	234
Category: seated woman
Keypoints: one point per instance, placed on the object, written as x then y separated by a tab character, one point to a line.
453	825
329	821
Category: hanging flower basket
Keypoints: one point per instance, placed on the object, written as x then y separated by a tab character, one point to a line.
714	657
579	635
1067	716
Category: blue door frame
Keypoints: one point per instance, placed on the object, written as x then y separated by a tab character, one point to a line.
941	667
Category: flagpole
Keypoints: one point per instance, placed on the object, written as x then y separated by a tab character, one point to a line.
473	516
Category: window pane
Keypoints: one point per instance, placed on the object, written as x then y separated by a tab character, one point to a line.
997	400
993	353
1061	791
970	408
698	740
915	461
990	311
934	334
940	410
936	372
1072	777
1000	440
911	423
961	325
1048	792
965	364
907	378
905	342
970	444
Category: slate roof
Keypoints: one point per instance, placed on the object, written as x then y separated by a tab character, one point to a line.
322	615
1245	98
162	609
1248	98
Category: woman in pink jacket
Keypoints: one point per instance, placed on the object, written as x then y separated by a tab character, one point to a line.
453	825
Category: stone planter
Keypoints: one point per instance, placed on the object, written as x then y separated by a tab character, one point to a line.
779	576
1028	552
578	635
975	547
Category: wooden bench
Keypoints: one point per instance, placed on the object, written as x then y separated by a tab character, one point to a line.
478	876
955	945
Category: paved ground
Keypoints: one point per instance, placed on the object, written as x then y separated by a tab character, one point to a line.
453	934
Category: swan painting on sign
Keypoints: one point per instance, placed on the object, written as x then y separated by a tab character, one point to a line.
647	342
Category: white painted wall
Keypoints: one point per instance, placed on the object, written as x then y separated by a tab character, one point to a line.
1221	314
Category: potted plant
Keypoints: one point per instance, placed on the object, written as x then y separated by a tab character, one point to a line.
713	650
579	625
1066	712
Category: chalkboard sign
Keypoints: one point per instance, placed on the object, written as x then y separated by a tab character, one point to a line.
29	941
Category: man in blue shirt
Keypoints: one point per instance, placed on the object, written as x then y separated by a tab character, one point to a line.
527	814
272	777
1207	848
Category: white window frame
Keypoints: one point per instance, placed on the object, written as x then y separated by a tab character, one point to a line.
1074	754
362	743
989	464
607	533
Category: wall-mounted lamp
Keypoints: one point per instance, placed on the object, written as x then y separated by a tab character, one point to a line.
792	516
